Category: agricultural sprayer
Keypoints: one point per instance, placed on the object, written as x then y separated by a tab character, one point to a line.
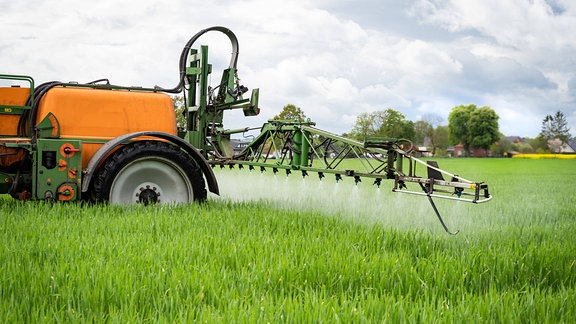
101	142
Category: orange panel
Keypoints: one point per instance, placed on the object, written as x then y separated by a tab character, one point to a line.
88	150
10	156
13	97
105	114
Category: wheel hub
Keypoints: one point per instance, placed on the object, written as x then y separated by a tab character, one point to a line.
148	194
151	180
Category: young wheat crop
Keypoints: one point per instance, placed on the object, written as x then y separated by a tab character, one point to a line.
243	260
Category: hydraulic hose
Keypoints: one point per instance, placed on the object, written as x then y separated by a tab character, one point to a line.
28	118
186	50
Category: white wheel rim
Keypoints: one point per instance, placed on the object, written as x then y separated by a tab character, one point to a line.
155	177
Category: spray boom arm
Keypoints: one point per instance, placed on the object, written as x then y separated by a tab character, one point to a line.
298	146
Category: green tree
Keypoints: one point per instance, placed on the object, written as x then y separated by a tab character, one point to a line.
406	130
179	109
386	123
556	126
483	127
458	123
291	112
394	124
364	126
473	126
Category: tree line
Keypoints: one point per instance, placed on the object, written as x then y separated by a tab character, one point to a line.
468	125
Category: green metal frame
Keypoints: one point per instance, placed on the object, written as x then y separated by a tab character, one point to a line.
205	106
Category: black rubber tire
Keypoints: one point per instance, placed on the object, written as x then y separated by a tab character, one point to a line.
167	156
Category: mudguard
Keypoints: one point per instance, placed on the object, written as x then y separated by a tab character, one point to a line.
109	146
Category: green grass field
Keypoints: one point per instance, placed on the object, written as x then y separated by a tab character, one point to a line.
302	251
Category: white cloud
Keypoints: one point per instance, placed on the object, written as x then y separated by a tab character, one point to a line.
516	23
335	60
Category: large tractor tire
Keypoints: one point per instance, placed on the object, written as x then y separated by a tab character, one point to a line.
149	172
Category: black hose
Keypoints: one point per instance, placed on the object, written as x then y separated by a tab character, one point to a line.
29	116
39	96
186	50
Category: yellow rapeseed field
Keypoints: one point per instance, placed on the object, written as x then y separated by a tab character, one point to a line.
544	156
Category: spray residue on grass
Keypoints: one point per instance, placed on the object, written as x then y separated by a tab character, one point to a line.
361	202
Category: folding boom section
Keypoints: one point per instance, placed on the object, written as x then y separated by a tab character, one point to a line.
295	146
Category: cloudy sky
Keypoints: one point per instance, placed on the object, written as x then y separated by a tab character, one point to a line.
335	59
